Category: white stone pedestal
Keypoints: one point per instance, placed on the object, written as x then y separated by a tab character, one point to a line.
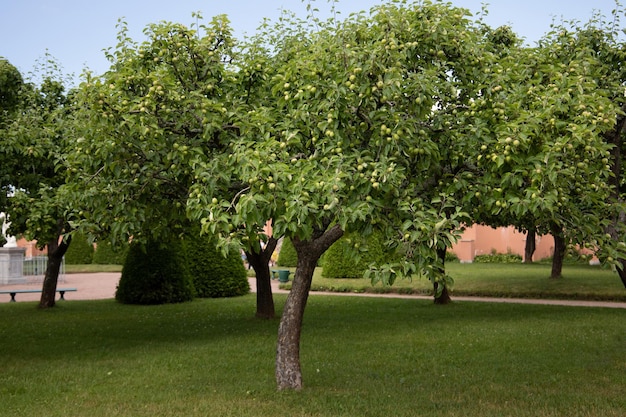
12	265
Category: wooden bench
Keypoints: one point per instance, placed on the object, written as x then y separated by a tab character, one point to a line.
61	291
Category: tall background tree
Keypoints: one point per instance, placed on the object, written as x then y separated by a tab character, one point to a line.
546	168
33	142
144	120
11	83
602	37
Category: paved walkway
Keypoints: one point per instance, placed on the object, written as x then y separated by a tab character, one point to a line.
94	286
102	285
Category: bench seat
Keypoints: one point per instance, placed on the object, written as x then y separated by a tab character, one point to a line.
61	292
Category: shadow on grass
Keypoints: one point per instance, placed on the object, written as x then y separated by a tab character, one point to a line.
104	327
107	327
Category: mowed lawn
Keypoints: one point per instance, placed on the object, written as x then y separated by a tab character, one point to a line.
361	356
579	282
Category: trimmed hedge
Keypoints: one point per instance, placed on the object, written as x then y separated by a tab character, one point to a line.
107	254
213	274
80	251
500	258
287	256
155	274
340	260
452	257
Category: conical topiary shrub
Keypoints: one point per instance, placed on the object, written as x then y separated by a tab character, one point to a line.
213	274
80	251
287	256
155	274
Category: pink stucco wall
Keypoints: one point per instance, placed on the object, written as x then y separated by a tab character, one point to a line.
31	248
483	240
476	240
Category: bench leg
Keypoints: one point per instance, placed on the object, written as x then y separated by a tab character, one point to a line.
13	297
62	295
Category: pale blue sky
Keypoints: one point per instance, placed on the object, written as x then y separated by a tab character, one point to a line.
76	31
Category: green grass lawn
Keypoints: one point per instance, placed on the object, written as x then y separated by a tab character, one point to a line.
90	268
360	357
582	282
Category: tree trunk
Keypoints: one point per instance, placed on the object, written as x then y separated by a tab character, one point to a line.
531	245
559	251
612	230
444	296
56	251
622	272
615	137
288	370
259	260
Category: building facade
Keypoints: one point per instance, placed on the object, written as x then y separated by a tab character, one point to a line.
484	240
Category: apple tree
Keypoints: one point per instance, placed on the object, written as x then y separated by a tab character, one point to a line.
11	83
163	104
33	143
603	38
345	141
548	166
452	125
158	106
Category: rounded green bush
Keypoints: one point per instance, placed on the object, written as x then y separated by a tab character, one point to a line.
213	274
80	251
155	273
287	256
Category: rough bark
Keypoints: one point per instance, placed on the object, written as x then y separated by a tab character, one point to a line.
530	247
56	250
259	261
559	251
444	296
622	272
612	230
288	370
